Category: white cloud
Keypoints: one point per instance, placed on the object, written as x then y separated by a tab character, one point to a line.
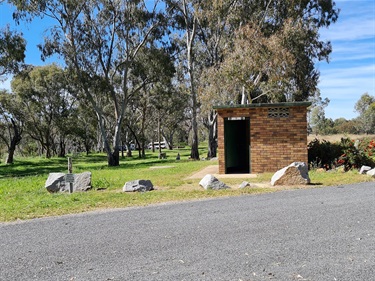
344	87
356	21
348	72
358	50
351	71
350	30
361	77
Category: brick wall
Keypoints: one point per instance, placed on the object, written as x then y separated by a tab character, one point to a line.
275	141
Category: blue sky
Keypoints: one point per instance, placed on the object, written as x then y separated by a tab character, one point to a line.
350	73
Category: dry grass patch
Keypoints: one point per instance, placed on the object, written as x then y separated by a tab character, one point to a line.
337	138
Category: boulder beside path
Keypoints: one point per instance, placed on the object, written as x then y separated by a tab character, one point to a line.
371	173
210	182
57	182
138	186
294	174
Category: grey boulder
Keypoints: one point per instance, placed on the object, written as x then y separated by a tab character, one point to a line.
371	173
244	184
294	174
210	182
56	182
138	186
364	169
82	181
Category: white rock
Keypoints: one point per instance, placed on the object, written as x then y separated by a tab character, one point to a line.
210	182
364	169
244	184
56	182
371	173
294	174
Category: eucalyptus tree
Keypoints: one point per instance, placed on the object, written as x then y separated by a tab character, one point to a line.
45	101
316	117
255	66
11	123
275	47
99	40
12	51
12	55
185	20
365	107
173	115
215	32
260	51
154	69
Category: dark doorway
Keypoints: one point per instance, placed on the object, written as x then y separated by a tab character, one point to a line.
237	145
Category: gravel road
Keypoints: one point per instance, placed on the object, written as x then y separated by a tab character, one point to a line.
310	234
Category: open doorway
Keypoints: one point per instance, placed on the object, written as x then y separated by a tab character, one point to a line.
237	145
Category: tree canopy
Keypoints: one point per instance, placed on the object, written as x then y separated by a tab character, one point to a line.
12	51
129	61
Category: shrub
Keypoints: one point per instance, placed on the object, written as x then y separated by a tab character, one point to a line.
347	153
323	154
368	146
356	153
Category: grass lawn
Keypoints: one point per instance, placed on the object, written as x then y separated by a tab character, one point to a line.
23	195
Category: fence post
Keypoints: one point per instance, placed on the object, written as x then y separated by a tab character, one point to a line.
70	171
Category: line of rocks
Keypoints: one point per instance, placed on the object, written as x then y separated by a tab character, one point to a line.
58	182
294	174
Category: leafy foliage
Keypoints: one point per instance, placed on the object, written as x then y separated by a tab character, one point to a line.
323	154
12	51
365	106
347	153
45	98
271	53
120	53
99	42
363	124
356	153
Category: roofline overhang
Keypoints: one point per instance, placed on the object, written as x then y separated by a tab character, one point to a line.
255	105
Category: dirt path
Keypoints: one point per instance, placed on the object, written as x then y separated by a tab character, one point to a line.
214	170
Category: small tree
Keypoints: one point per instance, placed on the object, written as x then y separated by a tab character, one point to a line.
316	115
11	123
185	19
45	102
365	106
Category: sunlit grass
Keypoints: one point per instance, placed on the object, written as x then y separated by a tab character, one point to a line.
337	177
23	195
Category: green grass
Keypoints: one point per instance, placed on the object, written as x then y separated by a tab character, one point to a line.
23	195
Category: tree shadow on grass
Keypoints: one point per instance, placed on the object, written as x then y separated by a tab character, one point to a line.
40	166
22	168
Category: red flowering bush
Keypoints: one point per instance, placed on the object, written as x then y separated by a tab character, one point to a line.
356	153
347	153
368	146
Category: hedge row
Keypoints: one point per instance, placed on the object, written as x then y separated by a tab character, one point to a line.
351	154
